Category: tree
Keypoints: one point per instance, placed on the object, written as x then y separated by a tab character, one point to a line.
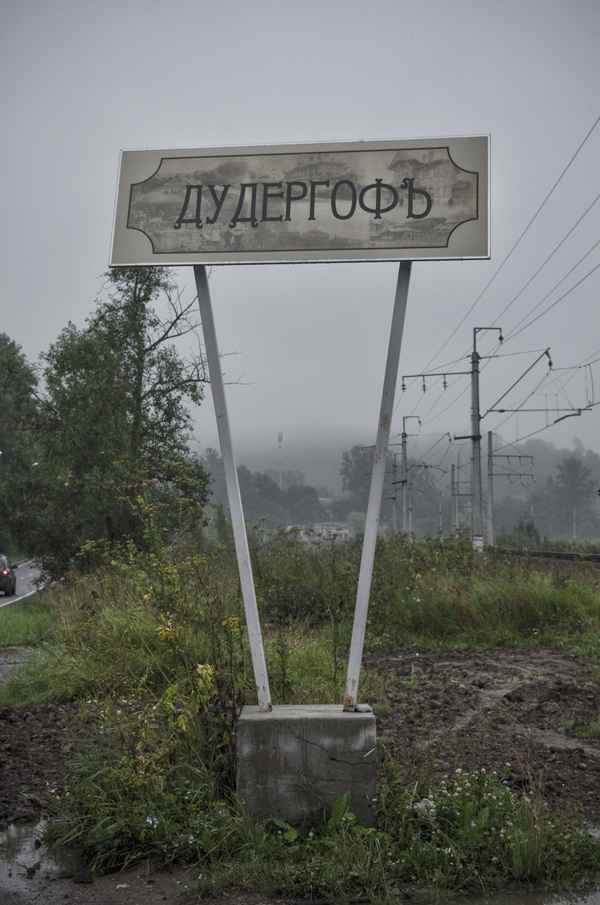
575	491
286	478
262	499
564	506
525	536
425	498
18	384
356	471
113	424
303	505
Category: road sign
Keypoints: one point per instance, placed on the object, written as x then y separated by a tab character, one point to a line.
359	201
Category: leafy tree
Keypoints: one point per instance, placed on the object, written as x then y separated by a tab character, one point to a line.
575	491
525	536
564	506
18	384
113	425
355	471
262	499
425	498
573	482
288	476
303	505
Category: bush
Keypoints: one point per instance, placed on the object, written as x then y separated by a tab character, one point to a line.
153	647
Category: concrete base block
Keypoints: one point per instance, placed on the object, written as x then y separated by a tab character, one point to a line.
298	758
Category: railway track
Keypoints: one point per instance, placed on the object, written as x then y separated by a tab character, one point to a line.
593	558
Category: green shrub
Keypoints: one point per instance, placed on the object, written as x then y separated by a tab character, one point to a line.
153	646
469	832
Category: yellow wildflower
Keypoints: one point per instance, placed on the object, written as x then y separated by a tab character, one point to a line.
166	631
206	675
232	623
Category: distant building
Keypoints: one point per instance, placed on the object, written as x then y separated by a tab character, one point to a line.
332	530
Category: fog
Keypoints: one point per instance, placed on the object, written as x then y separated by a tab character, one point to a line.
304	345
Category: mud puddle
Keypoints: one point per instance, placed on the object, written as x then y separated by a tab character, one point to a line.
25	860
532	898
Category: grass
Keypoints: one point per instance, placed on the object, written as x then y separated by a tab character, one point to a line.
27	623
153	647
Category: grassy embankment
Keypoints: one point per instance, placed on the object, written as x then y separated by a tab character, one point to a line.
153	648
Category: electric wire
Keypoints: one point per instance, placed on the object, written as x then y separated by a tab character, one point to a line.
426	417
517	243
511	333
550	256
555	303
515	332
527	321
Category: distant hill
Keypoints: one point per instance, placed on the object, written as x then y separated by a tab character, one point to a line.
316	452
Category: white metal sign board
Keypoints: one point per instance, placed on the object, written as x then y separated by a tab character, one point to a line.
358	201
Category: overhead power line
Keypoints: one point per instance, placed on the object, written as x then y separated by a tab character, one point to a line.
551	255
512	333
514	247
528	320
554	304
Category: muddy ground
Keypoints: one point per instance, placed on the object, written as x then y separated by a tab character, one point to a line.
509	710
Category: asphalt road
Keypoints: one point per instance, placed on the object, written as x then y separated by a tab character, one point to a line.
27	573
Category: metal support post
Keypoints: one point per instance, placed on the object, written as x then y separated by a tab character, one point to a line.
404	484
404	481
376	491
476	515
394	518
490	493
233	491
477	508
454	496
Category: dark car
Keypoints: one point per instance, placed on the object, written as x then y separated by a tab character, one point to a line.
8	579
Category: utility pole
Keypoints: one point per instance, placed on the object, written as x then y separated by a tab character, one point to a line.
490	494
454	498
404	479
280	439
475	438
476	515
394	482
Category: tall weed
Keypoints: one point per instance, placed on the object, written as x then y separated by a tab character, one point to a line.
153	646
26	622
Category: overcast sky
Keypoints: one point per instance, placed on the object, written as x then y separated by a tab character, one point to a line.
82	80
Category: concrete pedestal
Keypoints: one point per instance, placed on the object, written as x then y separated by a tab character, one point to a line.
298	759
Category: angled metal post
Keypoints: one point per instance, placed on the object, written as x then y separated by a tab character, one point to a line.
233	491
376	491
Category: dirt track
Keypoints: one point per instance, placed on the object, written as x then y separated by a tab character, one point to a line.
496	708
462	708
